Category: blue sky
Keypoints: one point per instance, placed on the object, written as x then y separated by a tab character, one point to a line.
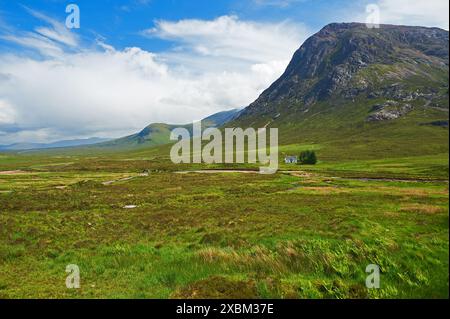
120	21
134	62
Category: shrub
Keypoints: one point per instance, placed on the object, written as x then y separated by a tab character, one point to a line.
308	157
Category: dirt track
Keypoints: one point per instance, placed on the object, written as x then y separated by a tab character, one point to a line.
17	172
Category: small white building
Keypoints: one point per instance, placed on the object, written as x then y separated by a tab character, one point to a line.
291	159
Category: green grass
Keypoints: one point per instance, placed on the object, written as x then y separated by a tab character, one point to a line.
224	235
417	167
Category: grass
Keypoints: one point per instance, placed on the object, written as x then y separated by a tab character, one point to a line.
229	235
417	167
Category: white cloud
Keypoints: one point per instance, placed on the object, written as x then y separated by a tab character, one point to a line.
418	12
430	13
34	41
7	113
219	64
49	40
277	3
57	31
34	135
229	37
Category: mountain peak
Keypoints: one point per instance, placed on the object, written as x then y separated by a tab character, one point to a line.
346	60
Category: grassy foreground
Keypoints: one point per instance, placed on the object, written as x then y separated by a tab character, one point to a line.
306	234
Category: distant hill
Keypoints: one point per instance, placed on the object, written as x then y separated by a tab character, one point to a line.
159	133
58	144
363	93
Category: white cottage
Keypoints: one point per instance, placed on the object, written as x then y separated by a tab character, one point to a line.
291	159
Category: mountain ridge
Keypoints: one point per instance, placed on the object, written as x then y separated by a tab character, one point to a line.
57	144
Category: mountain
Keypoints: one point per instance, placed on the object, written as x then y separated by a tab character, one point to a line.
152	135
159	133
221	118
58	144
349	87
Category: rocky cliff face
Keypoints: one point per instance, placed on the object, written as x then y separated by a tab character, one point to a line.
348	60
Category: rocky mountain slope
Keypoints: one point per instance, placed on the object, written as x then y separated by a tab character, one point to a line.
349	81
347	60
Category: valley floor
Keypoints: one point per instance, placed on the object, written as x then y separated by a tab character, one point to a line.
305	232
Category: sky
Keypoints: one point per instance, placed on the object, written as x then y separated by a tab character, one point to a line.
135	62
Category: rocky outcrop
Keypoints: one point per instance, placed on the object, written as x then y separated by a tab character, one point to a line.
390	110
